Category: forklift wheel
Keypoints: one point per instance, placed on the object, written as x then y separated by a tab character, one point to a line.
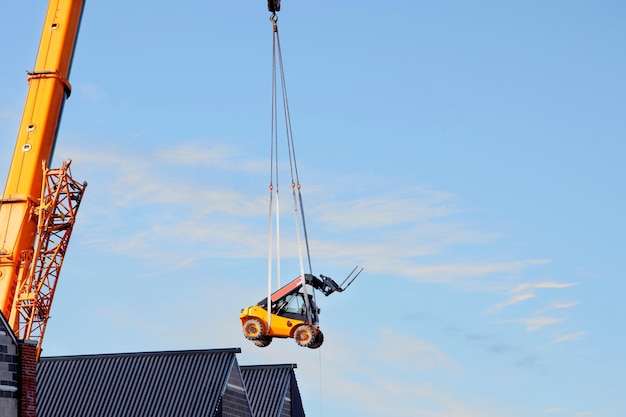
263	341
304	335
319	339
253	329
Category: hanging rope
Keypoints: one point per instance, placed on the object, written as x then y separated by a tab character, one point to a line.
277	63
272	190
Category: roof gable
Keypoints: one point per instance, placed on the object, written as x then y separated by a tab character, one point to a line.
5	329
234	401
273	390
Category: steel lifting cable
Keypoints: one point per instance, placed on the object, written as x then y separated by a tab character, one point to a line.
273	188
295	180
293	165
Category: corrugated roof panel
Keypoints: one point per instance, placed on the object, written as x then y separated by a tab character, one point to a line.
149	384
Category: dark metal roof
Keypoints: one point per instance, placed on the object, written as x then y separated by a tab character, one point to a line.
5	329
273	390
197	383
9	354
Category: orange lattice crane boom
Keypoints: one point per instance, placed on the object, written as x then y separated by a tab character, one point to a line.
38	205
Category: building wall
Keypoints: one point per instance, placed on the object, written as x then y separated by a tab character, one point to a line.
234	402
8	374
27	378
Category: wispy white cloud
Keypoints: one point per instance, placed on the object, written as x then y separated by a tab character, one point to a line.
526	291
570	337
220	156
553	410
537	323
452	271
557	305
395	208
515	299
529	286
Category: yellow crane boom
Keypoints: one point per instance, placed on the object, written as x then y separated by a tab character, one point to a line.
31	213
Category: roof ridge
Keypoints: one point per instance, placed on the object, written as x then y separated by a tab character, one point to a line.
145	353
284	365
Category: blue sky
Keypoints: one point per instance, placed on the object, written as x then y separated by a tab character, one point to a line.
468	154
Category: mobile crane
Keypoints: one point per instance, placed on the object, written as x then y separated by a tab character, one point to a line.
39	204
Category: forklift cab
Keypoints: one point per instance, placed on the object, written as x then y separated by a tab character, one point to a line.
292	305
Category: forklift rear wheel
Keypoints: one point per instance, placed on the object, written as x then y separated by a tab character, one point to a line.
304	335
253	329
263	341
319	339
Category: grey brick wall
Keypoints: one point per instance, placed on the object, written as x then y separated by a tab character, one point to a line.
8	375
